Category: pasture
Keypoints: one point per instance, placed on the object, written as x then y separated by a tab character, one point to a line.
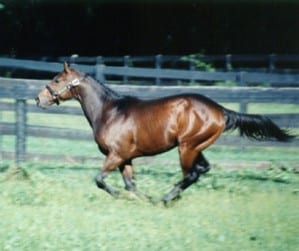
50	207
248	201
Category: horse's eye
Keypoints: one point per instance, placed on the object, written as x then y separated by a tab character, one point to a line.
56	81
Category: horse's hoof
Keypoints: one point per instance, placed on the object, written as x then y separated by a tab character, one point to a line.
137	196
170	201
133	196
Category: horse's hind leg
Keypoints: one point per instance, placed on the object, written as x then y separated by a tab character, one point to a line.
192	168
201	164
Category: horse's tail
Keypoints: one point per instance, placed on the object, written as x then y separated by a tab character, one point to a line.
257	127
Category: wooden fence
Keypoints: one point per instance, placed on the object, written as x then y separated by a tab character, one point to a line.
270	62
159	75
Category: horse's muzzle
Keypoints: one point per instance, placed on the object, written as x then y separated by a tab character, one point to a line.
42	102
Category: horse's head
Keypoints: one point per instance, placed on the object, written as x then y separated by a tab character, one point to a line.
62	87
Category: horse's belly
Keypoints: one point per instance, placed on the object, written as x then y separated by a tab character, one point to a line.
154	143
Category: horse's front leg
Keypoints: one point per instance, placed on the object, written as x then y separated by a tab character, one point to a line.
128	175
112	162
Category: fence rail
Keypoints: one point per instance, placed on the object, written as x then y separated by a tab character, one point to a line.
21	90
157	74
271	62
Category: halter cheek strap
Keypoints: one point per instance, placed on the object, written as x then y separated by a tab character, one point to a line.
56	94
74	82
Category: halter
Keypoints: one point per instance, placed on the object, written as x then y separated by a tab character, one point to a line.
56	94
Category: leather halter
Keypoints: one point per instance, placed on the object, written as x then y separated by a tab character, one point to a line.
56	94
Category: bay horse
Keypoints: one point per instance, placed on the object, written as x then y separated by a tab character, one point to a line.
126	127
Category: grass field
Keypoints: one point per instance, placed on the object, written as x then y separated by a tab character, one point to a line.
61	209
248	201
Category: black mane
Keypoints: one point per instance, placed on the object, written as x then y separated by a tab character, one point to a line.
105	90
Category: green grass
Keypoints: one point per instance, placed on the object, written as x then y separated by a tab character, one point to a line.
61	209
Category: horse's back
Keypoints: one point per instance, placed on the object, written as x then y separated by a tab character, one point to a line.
160	124
177	109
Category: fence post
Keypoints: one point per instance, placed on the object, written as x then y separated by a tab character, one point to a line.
126	64
99	60
158	64
228	62
192	67
241	81
99	72
272	62
20	130
243	104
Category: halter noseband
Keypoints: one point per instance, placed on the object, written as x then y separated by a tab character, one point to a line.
56	94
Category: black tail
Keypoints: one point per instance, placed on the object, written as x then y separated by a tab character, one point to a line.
257	127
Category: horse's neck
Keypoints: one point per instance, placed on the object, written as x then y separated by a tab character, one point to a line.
93	98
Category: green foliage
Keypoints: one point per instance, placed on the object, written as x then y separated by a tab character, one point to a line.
226	83
195	59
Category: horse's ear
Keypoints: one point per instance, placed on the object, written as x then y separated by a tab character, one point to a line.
66	67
